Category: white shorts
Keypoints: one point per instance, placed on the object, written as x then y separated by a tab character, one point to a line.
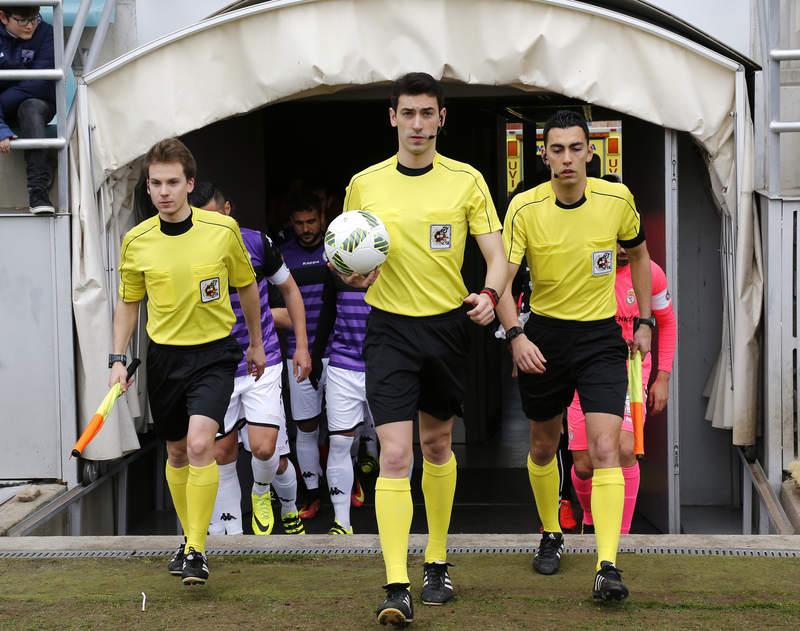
259	401
346	397
281	445
306	402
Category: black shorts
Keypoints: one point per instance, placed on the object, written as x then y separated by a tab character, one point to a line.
183	381
415	364
587	356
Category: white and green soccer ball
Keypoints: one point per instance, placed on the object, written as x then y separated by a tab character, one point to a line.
356	241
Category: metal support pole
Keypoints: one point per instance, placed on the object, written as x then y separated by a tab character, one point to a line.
76	33
747	502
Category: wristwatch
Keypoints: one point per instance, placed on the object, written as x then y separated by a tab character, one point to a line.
651	322
513	332
113	359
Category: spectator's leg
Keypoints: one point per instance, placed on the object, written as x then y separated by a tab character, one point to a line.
32	117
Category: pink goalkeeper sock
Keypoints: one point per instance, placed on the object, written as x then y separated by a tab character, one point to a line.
632	477
583	489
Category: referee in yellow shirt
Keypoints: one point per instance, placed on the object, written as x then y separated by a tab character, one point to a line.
184	259
417	341
568	228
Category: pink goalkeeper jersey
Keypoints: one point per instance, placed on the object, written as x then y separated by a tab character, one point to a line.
661	304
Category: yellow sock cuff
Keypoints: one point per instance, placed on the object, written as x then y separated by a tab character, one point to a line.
177	475
392	484
542	470
608	477
440	470
204	476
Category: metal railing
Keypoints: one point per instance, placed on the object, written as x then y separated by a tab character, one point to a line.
64	56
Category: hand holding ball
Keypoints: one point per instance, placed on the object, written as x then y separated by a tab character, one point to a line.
356	242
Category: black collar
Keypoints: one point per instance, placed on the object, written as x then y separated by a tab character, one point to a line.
414	172
572	206
175	229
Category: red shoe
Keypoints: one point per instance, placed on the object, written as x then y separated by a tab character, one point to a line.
309	511
357	495
565	516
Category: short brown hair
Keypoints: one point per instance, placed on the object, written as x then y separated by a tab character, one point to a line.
171	150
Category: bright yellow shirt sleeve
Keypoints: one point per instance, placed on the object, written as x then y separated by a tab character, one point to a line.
515	238
481	213
131	280
240	268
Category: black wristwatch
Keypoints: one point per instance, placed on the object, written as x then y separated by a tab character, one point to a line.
513	332
651	322
113	359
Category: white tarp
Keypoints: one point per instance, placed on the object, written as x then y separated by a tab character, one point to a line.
244	60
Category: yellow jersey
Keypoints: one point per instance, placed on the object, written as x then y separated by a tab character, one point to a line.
427	213
185	276
571	249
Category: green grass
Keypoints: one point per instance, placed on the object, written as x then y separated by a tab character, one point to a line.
331	593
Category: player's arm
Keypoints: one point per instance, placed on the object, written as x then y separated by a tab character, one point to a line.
250	300
667	328
327	318
483	305
527	356
289	295
295	315
642	286
126	315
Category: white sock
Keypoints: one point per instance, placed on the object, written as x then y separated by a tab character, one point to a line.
263	473
340	477
308	457
286	488
227	515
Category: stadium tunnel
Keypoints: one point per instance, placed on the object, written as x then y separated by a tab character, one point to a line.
270	94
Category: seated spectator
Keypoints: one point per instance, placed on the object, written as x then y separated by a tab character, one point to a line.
26	43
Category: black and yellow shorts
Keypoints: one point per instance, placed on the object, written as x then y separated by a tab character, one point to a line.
184	381
415	364
585	356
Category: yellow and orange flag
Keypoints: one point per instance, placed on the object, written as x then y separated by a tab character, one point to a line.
636	400
96	424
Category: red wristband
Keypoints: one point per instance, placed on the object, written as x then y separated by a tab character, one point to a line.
492	295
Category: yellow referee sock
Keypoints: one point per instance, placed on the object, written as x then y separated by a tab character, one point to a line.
394	510
201	492
177	477
544	482
439	489
608	500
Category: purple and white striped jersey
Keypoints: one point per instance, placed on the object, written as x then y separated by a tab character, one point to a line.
269	267
310	271
350	328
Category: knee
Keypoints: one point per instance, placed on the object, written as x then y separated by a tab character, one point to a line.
604	448
33	110
176	455
543	449
436	448
626	456
199	446
263	451
284	462
395	460
307	427
583	468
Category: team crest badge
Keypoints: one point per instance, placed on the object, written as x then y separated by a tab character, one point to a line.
209	289
602	262
441	236
630	298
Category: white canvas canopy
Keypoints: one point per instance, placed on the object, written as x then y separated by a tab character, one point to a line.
293	48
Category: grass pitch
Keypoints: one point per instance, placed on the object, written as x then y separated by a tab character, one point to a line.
333	592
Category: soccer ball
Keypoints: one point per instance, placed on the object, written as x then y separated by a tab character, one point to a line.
356	241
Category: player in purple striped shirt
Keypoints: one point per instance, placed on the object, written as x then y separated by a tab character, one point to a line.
304	255
259	402
344	323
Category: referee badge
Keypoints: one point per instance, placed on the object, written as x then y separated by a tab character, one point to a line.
209	289
441	236
602	262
